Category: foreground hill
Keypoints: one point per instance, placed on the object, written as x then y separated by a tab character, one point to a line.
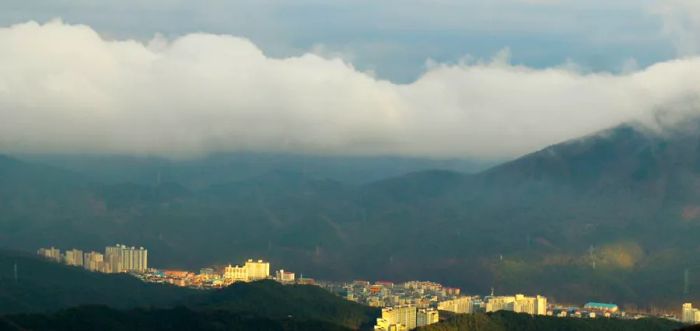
179	318
273	300
46	286
182	318
612	217
509	321
43	286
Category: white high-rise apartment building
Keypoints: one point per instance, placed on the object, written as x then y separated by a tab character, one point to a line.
689	314
74	257
427	316
403	315
50	253
121	258
257	269
519	303
461	305
94	261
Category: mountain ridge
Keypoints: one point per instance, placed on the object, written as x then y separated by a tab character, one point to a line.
535	223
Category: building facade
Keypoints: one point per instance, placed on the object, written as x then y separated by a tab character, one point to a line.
689	314
404	315
50	253
257	269
519	303
427	316
121	258
73	257
461	305
94	261
236	273
284	276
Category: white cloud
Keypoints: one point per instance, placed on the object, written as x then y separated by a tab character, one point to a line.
64	88
681	22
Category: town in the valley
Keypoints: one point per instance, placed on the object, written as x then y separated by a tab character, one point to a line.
404	306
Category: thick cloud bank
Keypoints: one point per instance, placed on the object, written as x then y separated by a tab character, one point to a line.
63	88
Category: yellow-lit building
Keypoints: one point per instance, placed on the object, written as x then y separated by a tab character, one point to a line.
74	257
405	315
427	316
257	269
236	273
94	261
689	314
50	253
384	325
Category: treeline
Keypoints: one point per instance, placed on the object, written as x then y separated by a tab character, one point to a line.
44	293
103	318
509	321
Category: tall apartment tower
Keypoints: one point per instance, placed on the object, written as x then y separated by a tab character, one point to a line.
427	316
257	269
688	313
113	259
121	258
50	253
403	315
94	261
74	257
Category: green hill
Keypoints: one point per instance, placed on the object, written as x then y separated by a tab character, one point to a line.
509	321
42	286
102	318
274	300
46	286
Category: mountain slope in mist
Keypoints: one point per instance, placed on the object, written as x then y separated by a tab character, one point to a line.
612	216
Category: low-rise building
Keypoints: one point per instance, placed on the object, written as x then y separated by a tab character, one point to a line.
602	307
284	276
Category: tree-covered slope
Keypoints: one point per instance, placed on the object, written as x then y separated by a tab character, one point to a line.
153	319
509	321
274	300
613	216
44	286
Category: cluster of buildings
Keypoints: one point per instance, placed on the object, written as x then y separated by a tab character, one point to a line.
121	258
417	303
387	294
251	270
118	258
433	295
405	306
589	310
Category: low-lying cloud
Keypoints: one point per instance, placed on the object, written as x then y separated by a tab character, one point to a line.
63	88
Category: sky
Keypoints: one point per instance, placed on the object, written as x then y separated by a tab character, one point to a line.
441	78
